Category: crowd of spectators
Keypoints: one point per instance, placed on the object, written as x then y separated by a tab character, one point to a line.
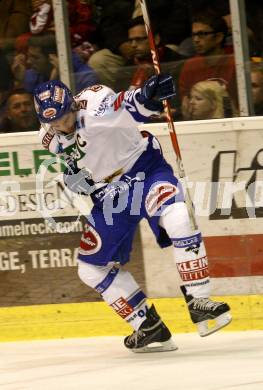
110	46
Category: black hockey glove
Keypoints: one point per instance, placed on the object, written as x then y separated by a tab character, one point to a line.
155	89
159	86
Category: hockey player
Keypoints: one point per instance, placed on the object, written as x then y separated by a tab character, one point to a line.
128	179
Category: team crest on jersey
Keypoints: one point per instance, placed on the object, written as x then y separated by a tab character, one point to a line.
90	242
74	152
158	196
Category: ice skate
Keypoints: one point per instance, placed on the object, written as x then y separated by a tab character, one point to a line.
152	336
209	316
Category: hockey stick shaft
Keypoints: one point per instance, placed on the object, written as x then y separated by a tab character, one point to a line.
167	110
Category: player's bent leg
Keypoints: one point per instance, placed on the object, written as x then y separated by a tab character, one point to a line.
192	264
119	289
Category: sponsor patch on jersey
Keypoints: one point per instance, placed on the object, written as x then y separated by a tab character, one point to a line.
59	95
122	307
44	95
90	242
47	139
104	105
158	196
193	269
49	112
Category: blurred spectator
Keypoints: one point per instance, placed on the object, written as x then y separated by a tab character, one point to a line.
80	15
137	9
171	16
112	38
19	113
254	15
6	80
208	100
256	73
15	15
221	9
107	64
141	52
42	18
81	20
84	49
208	34
81	25
41	64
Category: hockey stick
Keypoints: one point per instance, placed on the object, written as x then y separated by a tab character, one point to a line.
167	110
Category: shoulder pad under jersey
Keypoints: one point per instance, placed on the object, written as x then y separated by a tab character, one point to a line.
49	139
91	98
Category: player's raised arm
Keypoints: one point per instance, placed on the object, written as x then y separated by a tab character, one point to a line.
146	101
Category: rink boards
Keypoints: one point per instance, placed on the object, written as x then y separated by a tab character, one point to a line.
39	286
97	319
223	161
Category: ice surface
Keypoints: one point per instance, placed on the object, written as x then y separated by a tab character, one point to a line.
223	361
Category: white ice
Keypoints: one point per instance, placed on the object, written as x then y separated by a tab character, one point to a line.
223	361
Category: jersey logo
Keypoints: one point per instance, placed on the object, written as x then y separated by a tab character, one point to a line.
158	196
74	152
103	107
80	142
90	242
47	139
82	104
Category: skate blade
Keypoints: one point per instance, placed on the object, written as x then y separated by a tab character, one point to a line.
205	328
163	346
